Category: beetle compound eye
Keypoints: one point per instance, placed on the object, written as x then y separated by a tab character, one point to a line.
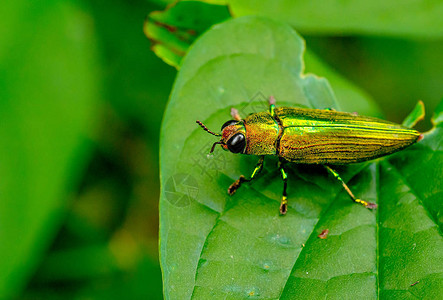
237	143
229	123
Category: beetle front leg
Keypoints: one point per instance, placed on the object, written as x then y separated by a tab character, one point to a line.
236	184
337	176
284	199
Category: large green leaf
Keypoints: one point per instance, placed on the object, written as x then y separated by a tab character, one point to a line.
414	18
48	95
213	245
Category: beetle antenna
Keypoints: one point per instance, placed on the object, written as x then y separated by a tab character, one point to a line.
206	128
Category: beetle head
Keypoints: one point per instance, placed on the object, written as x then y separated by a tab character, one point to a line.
233	137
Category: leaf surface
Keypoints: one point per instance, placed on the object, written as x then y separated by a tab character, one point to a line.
214	245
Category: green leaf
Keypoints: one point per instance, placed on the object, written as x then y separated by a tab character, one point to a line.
126	66
167	33
214	245
411	219
413	19
351	97
416	115
48	97
164	30
437	118
172	31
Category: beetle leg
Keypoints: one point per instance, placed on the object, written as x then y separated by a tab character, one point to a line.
271	105
284	199
235	115
236	184
337	176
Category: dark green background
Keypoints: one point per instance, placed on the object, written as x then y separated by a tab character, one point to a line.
81	102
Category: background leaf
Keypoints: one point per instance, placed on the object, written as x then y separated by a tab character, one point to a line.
48	99
415	116
172	31
415	18
395	72
216	245
169	31
107	245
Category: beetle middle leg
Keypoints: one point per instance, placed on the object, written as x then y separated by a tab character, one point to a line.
356	200
284	176
236	184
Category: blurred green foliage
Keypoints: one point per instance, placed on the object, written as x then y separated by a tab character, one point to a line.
413	18
174	30
82	98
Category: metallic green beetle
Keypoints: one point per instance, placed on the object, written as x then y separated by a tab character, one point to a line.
311	136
